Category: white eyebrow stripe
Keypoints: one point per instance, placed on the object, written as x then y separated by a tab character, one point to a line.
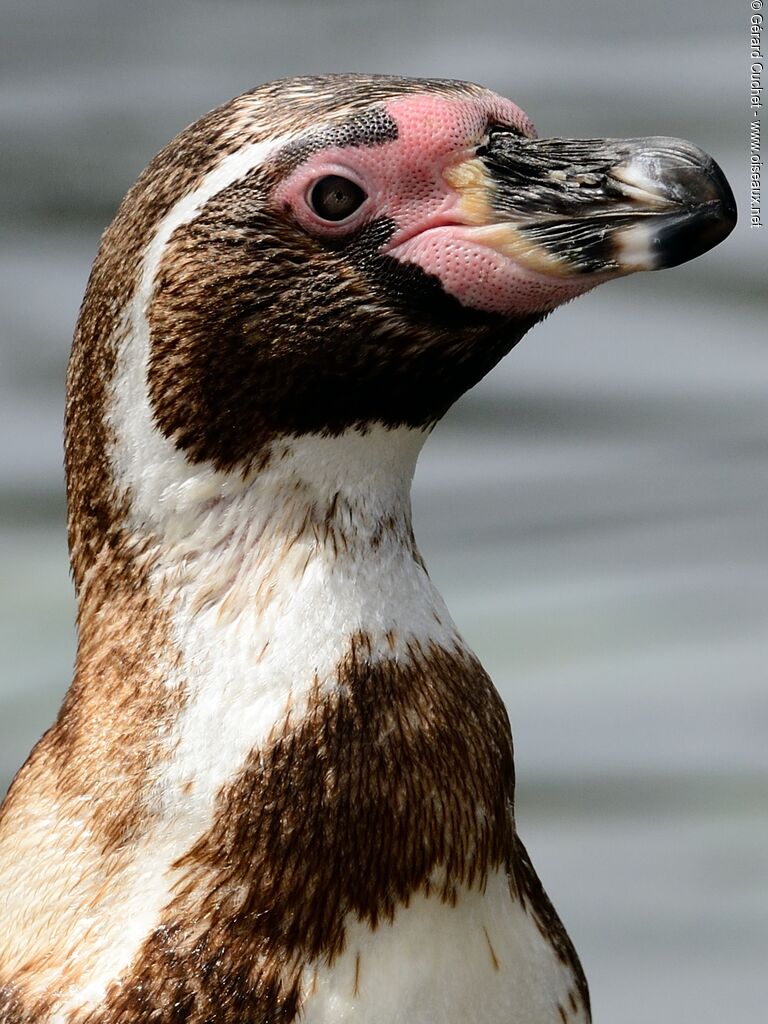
233	167
146	464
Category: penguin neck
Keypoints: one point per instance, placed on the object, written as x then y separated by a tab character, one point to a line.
255	588
265	666
320	515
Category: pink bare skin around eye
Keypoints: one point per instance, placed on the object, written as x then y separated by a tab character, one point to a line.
404	182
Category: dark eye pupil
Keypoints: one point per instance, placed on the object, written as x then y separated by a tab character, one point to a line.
335	198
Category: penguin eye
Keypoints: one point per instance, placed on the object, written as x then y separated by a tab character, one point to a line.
335	198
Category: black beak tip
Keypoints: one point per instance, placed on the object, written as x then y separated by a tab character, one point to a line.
707	218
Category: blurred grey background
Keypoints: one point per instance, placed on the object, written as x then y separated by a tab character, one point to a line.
594	512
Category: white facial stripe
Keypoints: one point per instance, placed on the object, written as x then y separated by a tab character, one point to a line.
160	485
156	474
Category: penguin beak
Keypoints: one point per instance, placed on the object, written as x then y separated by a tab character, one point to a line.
568	207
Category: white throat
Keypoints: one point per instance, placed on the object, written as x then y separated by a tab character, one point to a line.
268	580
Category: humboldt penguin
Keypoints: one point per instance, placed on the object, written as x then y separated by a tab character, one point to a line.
281	786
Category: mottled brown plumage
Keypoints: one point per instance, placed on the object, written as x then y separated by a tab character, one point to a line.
277	756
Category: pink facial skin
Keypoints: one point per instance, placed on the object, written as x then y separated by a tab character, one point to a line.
404	182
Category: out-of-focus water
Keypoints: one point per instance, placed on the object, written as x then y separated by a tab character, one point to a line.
594	512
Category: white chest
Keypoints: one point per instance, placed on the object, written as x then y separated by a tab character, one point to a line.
482	961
